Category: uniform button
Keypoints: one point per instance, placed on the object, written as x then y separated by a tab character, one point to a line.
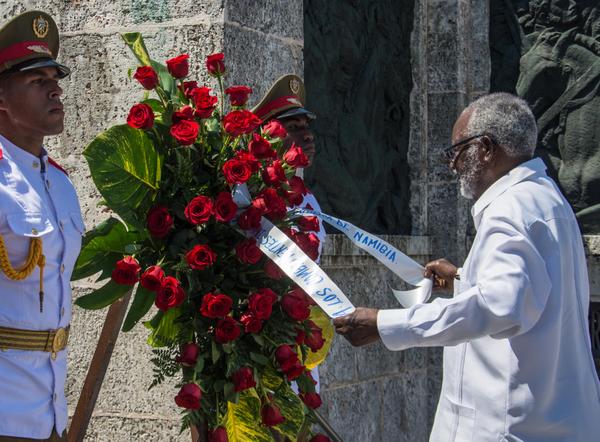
34	231
62	268
36	164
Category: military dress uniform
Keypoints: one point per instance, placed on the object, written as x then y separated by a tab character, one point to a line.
41	228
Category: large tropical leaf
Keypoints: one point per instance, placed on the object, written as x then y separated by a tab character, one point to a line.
319	317
292	409
142	302
241	422
106	295
102	247
126	169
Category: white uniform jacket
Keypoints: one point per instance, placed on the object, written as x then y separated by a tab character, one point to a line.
37	199
517	358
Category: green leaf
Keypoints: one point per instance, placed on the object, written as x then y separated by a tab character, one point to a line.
142	301
164	327
155	104
126	169
259	359
135	42
243	422
271	378
216	353
199	365
102	297
292	409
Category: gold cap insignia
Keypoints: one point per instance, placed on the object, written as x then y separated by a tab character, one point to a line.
40	27
39	49
294	85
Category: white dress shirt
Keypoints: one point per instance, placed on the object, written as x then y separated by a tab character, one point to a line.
517	359
36	200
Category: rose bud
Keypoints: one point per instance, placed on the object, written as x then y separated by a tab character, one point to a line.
300	336
141	116
251	323
294	370
179	66
315	339
205	101
199	210
320	438
219	434
236	171
225	208
273	271
308	223
147	77
189	354
285	356
187	87
227	330
185	113
243	379
295	157
215	305
261	148
271	416
274	175
295	195
200	257
295	304
249	219
238	94
185	132
189	397
312	400
215	64
248	252
308	243
170	294
126	271
151	279
274	129
159	221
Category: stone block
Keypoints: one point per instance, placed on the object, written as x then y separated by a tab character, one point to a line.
340	366
479	62
375	360
107	427
442	218
273	17
404	399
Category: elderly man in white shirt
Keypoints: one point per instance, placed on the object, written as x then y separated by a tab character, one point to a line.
517	357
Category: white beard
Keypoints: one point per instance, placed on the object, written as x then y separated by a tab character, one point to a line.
471	173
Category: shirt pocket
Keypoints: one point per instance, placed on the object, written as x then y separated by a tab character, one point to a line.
20	229
464	416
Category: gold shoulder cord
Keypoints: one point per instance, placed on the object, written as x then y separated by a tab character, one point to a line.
34	258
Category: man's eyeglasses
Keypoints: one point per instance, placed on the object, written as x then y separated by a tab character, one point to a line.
454	151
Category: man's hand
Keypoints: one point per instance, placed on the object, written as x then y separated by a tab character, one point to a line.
359	327
443	273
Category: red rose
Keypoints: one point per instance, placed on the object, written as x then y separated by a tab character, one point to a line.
200	257
236	171
274	129
273	174
270	204
308	223
295	157
126	271
261	148
238	94
243	379
187	87
312	400
240	122
215	65
261	303
285	356
151	279
215	305
320	438
179	67
251	323
246	156
297	191
225	208
248	252
249	219
185	132
227	329
159	221
300	336
308	243
189	397
141	116
205	101
147	77
189	354
294	370
271	416
170	294
295	304
219	434
273	271
315	339
199	210
185	113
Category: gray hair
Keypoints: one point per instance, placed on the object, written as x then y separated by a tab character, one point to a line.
508	119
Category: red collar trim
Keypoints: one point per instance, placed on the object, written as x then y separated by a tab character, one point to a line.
55	164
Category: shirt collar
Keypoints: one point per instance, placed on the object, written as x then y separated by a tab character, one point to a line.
21	157
514	176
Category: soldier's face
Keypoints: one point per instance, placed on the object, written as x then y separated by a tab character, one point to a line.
298	129
30	101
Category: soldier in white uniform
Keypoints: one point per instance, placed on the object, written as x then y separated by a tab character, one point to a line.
40	231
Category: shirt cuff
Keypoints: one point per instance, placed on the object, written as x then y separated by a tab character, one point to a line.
393	329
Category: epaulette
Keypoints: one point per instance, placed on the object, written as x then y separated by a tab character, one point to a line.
55	164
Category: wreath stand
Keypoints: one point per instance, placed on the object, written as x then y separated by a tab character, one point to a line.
97	371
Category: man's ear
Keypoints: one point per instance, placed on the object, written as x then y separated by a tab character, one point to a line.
490	149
